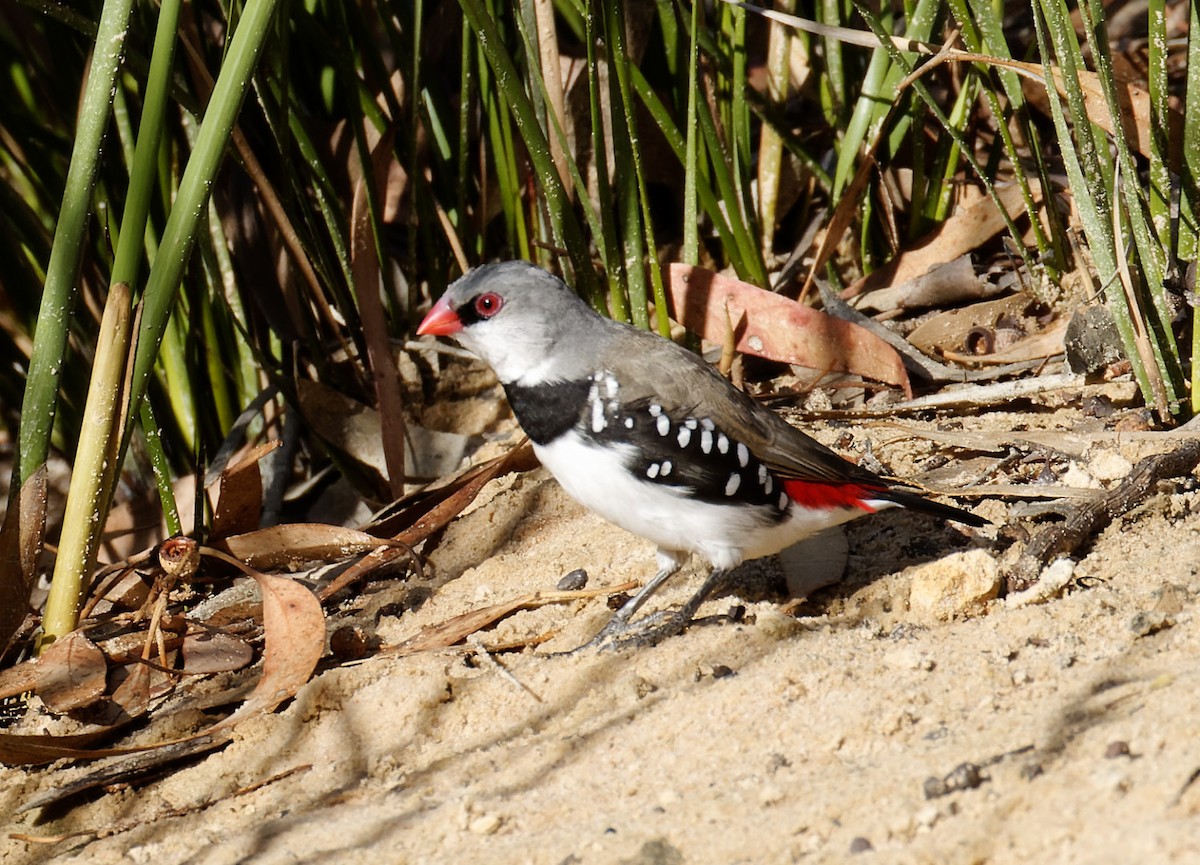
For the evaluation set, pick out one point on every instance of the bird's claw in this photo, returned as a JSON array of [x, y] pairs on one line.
[[621, 633]]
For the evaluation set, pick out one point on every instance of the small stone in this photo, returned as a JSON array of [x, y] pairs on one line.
[[1116, 749], [573, 581], [1076, 476], [777, 761], [643, 687], [861, 845], [720, 671], [1106, 465], [926, 817], [485, 824], [965, 776], [1150, 622], [770, 794], [349, 643], [957, 585], [656, 852]]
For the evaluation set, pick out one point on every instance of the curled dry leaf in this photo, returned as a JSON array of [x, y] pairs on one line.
[[975, 221], [768, 325], [294, 638], [951, 282], [239, 492], [948, 331], [71, 673], [414, 519], [20, 543], [295, 543]]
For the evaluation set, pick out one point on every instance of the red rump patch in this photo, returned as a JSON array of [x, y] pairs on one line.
[[827, 496]]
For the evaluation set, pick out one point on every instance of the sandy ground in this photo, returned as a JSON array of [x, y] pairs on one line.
[[1062, 731]]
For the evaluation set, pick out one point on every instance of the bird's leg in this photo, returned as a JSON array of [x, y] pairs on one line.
[[651, 631], [620, 632], [668, 563]]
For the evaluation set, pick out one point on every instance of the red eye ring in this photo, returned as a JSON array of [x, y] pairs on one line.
[[488, 304]]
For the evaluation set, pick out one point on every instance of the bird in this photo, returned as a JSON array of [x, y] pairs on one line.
[[651, 437]]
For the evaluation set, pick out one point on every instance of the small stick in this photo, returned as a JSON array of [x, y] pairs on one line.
[[1063, 539], [495, 666]]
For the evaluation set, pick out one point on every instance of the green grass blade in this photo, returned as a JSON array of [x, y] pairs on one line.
[[58, 297]]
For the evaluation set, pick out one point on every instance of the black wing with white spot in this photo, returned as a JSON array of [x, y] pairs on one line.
[[682, 450]]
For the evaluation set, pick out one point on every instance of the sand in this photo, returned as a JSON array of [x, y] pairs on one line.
[[882, 719]]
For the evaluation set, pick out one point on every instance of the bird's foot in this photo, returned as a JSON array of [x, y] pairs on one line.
[[623, 632], [620, 633]]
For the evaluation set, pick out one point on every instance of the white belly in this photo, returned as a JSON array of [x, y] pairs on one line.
[[725, 535]]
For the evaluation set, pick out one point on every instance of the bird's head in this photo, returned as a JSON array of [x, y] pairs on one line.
[[514, 316]]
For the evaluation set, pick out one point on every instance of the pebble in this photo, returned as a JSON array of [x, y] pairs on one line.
[[861, 845], [1149, 622], [957, 585], [1107, 465], [1116, 749], [484, 824], [573, 581]]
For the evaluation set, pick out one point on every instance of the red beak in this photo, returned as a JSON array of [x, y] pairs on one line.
[[441, 320]]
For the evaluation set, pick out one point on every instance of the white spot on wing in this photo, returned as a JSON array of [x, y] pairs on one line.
[[784, 501], [743, 454], [663, 424], [731, 486], [655, 409], [666, 468], [762, 474], [722, 443], [768, 485], [707, 424], [685, 436], [629, 423], [652, 472], [598, 421], [706, 441], [690, 423]]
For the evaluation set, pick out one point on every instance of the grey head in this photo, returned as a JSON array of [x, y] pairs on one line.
[[525, 323]]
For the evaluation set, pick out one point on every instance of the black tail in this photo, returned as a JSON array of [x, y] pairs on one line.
[[916, 502]]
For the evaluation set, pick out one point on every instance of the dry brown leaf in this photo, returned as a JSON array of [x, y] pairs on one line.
[[30, 750], [239, 493], [215, 652], [1134, 102], [948, 331], [19, 678], [946, 284], [364, 265], [419, 516], [294, 638], [1048, 343], [972, 223], [768, 325], [72, 673], [356, 429], [20, 543], [131, 699], [287, 545]]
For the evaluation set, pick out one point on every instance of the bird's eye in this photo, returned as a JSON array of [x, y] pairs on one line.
[[488, 304]]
